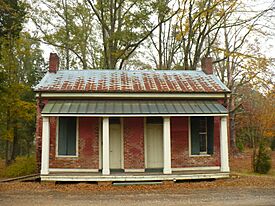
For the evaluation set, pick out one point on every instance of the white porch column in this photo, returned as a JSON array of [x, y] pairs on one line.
[[224, 145], [105, 146], [45, 146], [166, 146]]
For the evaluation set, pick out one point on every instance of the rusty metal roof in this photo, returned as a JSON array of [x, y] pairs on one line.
[[155, 81], [124, 107]]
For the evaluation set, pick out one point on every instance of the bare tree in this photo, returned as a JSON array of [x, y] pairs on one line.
[[239, 62], [70, 27], [125, 25]]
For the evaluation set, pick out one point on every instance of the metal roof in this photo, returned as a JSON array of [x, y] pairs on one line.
[[154, 81], [122, 107]]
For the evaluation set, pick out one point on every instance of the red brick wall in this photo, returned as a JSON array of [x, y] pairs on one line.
[[180, 149], [179, 141], [88, 148], [133, 133]]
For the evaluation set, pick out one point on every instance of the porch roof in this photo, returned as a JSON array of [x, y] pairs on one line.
[[133, 108]]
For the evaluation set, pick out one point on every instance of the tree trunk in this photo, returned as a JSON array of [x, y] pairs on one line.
[[15, 148], [7, 152], [232, 134], [67, 36], [232, 131], [160, 46]]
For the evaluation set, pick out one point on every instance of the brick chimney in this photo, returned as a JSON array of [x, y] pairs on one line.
[[53, 63], [207, 65]]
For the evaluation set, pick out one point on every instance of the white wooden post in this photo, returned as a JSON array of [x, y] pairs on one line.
[[166, 146], [105, 151], [224, 145], [45, 146]]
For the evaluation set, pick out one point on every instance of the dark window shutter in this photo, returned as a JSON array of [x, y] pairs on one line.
[[195, 140], [210, 135], [62, 136], [67, 136], [71, 139]]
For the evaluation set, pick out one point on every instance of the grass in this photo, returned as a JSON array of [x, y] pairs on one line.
[[22, 166]]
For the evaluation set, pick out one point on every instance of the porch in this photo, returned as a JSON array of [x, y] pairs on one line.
[[188, 174], [122, 165]]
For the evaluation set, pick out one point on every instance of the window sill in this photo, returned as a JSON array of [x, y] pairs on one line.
[[201, 155], [66, 156]]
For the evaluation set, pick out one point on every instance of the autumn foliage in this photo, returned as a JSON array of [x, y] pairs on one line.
[[255, 126]]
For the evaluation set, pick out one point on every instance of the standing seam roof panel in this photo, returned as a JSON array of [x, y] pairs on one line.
[[133, 107]]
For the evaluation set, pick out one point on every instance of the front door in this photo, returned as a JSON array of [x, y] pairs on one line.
[[115, 145], [154, 146]]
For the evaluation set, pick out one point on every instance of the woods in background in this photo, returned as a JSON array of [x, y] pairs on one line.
[[21, 63], [135, 34]]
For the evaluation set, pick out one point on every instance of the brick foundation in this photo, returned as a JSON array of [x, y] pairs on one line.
[[133, 143]]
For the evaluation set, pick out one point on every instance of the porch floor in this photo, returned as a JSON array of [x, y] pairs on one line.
[[129, 176]]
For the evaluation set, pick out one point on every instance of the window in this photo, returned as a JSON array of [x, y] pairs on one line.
[[202, 135], [67, 136]]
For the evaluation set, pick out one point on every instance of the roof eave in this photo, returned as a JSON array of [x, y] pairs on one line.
[[47, 94]]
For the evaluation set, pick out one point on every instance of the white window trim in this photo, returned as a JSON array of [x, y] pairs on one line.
[[203, 154], [77, 140]]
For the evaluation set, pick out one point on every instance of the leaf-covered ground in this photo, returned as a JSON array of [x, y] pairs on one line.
[[235, 181], [247, 190], [242, 163]]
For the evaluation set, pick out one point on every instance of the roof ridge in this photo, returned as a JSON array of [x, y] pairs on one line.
[[115, 70]]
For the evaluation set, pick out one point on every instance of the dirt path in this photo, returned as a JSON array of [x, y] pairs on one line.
[[238, 190], [217, 196]]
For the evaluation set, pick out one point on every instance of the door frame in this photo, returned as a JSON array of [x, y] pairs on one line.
[[145, 143], [122, 143], [121, 146]]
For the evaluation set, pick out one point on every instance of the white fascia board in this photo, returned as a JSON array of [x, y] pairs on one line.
[[132, 95], [134, 115]]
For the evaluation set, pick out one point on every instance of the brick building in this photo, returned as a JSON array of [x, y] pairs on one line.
[[112, 125]]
